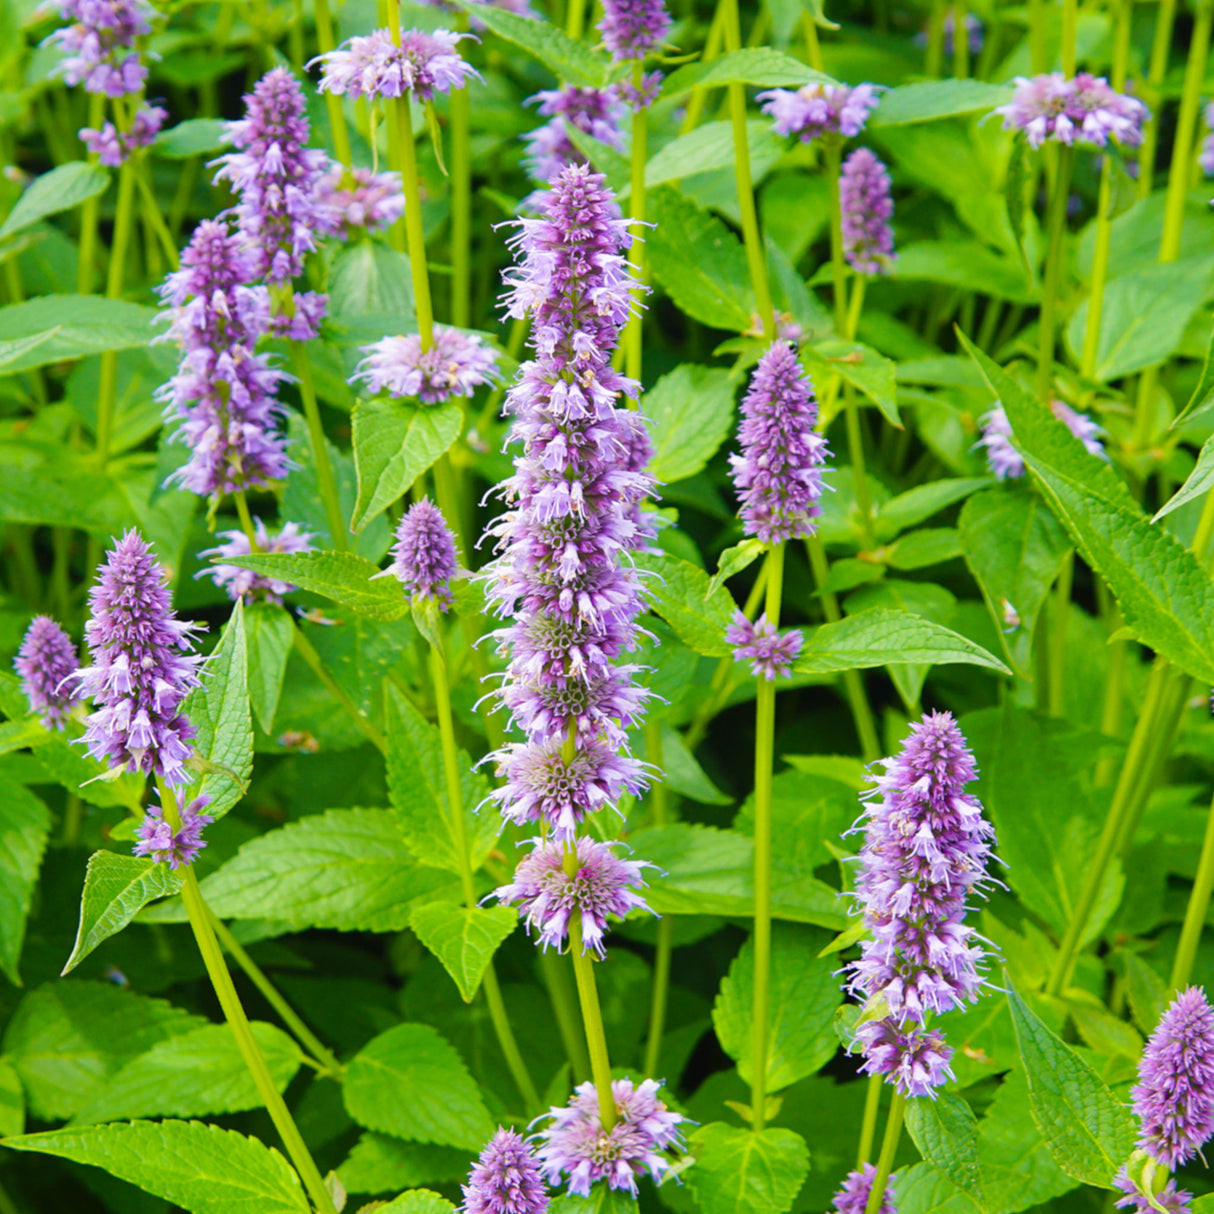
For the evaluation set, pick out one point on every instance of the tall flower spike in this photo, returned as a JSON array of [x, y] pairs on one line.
[[505, 1179], [926, 844], [173, 847], [455, 365], [141, 666], [778, 476], [820, 109], [111, 147], [244, 583], [1005, 461], [372, 65], [46, 661], [562, 577], [424, 555], [867, 208], [99, 44], [632, 28], [224, 395], [576, 1148], [853, 1197]]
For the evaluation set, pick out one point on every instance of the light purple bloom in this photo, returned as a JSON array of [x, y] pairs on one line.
[[359, 200], [1173, 1200], [598, 113], [173, 847], [423, 557], [46, 661], [372, 65], [455, 365], [1082, 110], [632, 28], [820, 109], [867, 208], [141, 666], [244, 583], [549, 896], [505, 1179], [224, 395], [112, 148], [1206, 160], [770, 654], [1005, 461], [778, 476], [99, 44], [643, 96], [853, 1197], [926, 844], [575, 1145]]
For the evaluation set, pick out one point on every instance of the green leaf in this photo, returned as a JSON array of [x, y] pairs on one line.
[[1014, 548], [710, 147], [409, 1082], [340, 576], [61, 189], [380, 1164], [72, 766], [880, 637], [1088, 1130], [740, 1172], [966, 264], [923, 548], [219, 712], [67, 1038], [946, 1133], [572, 62], [193, 137], [463, 938], [734, 560], [1196, 484], [1203, 394], [418, 1201], [862, 367], [199, 1167], [66, 497], [1147, 992], [681, 773], [24, 825], [602, 1200], [82, 324], [680, 594], [417, 787], [195, 1074], [759, 66], [920, 503], [12, 1101], [394, 443], [803, 998], [116, 889], [371, 294], [345, 869], [928, 99], [270, 634], [689, 411]]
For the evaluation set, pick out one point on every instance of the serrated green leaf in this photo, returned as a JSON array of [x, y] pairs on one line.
[[193, 137], [1088, 1130], [1203, 395], [463, 938], [82, 324], [710, 147], [411, 1083], [195, 1074], [804, 995], [946, 1133], [59, 190], [680, 594], [861, 366], [270, 634], [69, 764], [1197, 484], [734, 560], [570, 61], [740, 1172], [199, 1167], [340, 576], [116, 889], [418, 1201], [382, 1164], [759, 66], [682, 773], [966, 264], [923, 548], [689, 412], [917, 505], [25, 824], [926, 100], [1147, 992], [602, 1200], [394, 443]]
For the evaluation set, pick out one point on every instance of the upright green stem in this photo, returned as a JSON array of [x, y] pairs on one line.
[[555, 975], [1165, 15], [868, 1127], [1039, 15], [1070, 23], [575, 18], [413, 222], [246, 519], [337, 116], [461, 209], [636, 204], [307, 651], [107, 388], [659, 803], [86, 253], [838, 263], [592, 1018], [765, 738], [933, 60], [320, 450], [1056, 229], [889, 1147], [961, 42], [1060, 610], [756, 255], [1195, 913], [699, 96]]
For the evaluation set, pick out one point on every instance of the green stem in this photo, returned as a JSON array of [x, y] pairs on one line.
[[246, 519], [1110, 716], [325, 1059], [556, 979], [575, 18], [1195, 912], [838, 264], [1056, 229], [151, 212], [636, 204], [868, 1127], [506, 1039], [889, 1147], [1164, 17], [933, 59], [308, 652], [461, 208], [712, 48], [107, 388], [337, 116], [73, 815], [1070, 22], [339, 532], [813, 49], [961, 42], [1060, 610], [414, 232], [87, 252], [592, 1016], [659, 803], [1039, 15]]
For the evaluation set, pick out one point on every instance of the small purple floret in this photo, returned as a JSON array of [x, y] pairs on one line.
[[455, 365], [244, 583], [820, 109], [505, 1179], [112, 147], [423, 557], [173, 847], [372, 65], [99, 44], [770, 653], [359, 200], [853, 1197], [46, 662], [632, 28], [1175, 1201], [598, 113], [1082, 110], [867, 208]]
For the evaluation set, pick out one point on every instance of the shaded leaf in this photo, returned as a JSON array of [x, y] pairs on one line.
[[740, 1172], [59, 190]]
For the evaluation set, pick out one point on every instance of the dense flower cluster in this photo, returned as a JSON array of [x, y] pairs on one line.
[[99, 44], [112, 146], [374, 65], [141, 666], [46, 662], [820, 109], [455, 365], [770, 654], [1005, 461], [778, 476], [598, 113], [244, 583], [505, 1179], [632, 28], [359, 200], [1173, 1200], [866, 210], [423, 558], [576, 1145], [852, 1197], [224, 394], [158, 839], [1082, 110], [925, 849]]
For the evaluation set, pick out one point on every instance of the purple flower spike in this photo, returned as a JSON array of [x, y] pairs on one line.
[[373, 65], [361, 201], [771, 654], [1082, 110], [112, 148], [141, 666], [173, 847], [276, 176], [632, 28], [45, 660], [577, 1148], [549, 896], [778, 476], [820, 109], [455, 365], [598, 113], [1174, 1096], [853, 1197], [926, 844], [1004, 460], [99, 44], [1173, 1200], [244, 583], [867, 208], [424, 554], [505, 1179]]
